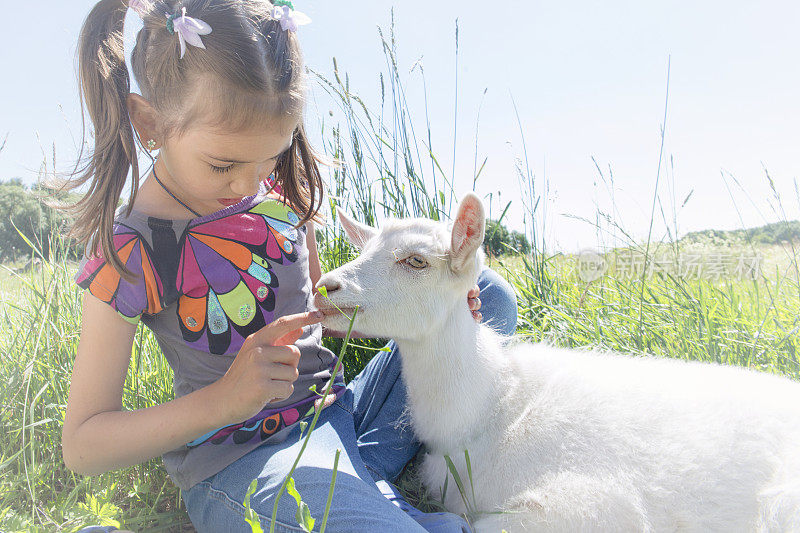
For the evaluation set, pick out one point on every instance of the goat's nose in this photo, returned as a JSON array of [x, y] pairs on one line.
[[331, 285]]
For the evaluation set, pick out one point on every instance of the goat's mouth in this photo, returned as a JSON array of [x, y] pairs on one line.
[[329, 310]]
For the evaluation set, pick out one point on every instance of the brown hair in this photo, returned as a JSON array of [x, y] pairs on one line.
[[250, 71]]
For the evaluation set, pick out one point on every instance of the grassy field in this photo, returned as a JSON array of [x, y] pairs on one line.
[[747, 322], [744, 322]]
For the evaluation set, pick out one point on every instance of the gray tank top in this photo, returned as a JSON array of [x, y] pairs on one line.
[[203, 286]]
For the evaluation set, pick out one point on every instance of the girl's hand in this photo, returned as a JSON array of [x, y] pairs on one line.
[[264, 369], [475, 303]]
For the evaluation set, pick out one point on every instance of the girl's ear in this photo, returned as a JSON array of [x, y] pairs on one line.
[[357, 233], [143, 117], [468, 231]]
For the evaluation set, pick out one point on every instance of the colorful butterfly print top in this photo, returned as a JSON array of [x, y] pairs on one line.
[[221, 268], [202, 286], [225, 279], [130, 300]]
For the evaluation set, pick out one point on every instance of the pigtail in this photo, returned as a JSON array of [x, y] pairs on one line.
[[299, 177], [104, 85]]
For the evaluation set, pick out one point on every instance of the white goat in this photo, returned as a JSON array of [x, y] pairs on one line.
[[558, 439]]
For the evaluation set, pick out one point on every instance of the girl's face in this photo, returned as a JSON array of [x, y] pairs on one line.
[[210, 169]]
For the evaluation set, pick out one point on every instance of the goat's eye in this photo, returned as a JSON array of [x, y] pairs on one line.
[[416, 261]]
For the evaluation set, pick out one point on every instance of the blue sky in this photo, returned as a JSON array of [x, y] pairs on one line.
[[589, 80]]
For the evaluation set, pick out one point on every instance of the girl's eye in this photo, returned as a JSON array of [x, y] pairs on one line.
[[220, 169], [416, 262]]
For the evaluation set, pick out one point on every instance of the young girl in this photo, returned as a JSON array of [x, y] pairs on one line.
[[215, 253]]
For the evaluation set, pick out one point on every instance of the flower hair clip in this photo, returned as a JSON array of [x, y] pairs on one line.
[[289, 18], [188, 29]]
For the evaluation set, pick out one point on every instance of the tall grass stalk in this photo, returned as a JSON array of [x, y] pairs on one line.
[[313, 424]]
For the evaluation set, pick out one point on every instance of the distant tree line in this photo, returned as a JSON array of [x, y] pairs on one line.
[[21, 206], [774, 233], [500, 241]]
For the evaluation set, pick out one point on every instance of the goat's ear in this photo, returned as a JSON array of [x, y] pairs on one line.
[[357, 233], [468, 230]]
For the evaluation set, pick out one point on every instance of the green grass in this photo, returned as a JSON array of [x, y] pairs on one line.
[[749, 323]]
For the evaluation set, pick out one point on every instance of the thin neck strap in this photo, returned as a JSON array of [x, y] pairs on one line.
[[173, 196]]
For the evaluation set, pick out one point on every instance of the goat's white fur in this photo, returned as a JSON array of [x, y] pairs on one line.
[[566, 440]]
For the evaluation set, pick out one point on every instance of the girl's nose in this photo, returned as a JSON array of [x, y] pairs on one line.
[[246, 186]]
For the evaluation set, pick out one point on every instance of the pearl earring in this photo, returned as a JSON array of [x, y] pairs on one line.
[[151, 144]]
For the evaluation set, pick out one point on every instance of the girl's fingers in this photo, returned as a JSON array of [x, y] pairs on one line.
[[284, 372], [279, 328], [473, 301], [285, 355], [289, 338]]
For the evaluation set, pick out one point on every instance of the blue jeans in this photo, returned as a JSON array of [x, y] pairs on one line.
[[370, 427]]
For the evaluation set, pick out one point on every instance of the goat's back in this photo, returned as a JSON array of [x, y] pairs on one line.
[[695, 445]]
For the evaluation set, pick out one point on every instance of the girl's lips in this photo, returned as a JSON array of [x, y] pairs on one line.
[[229, 201]]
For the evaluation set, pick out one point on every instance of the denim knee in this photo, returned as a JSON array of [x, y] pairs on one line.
[[498, 302]]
